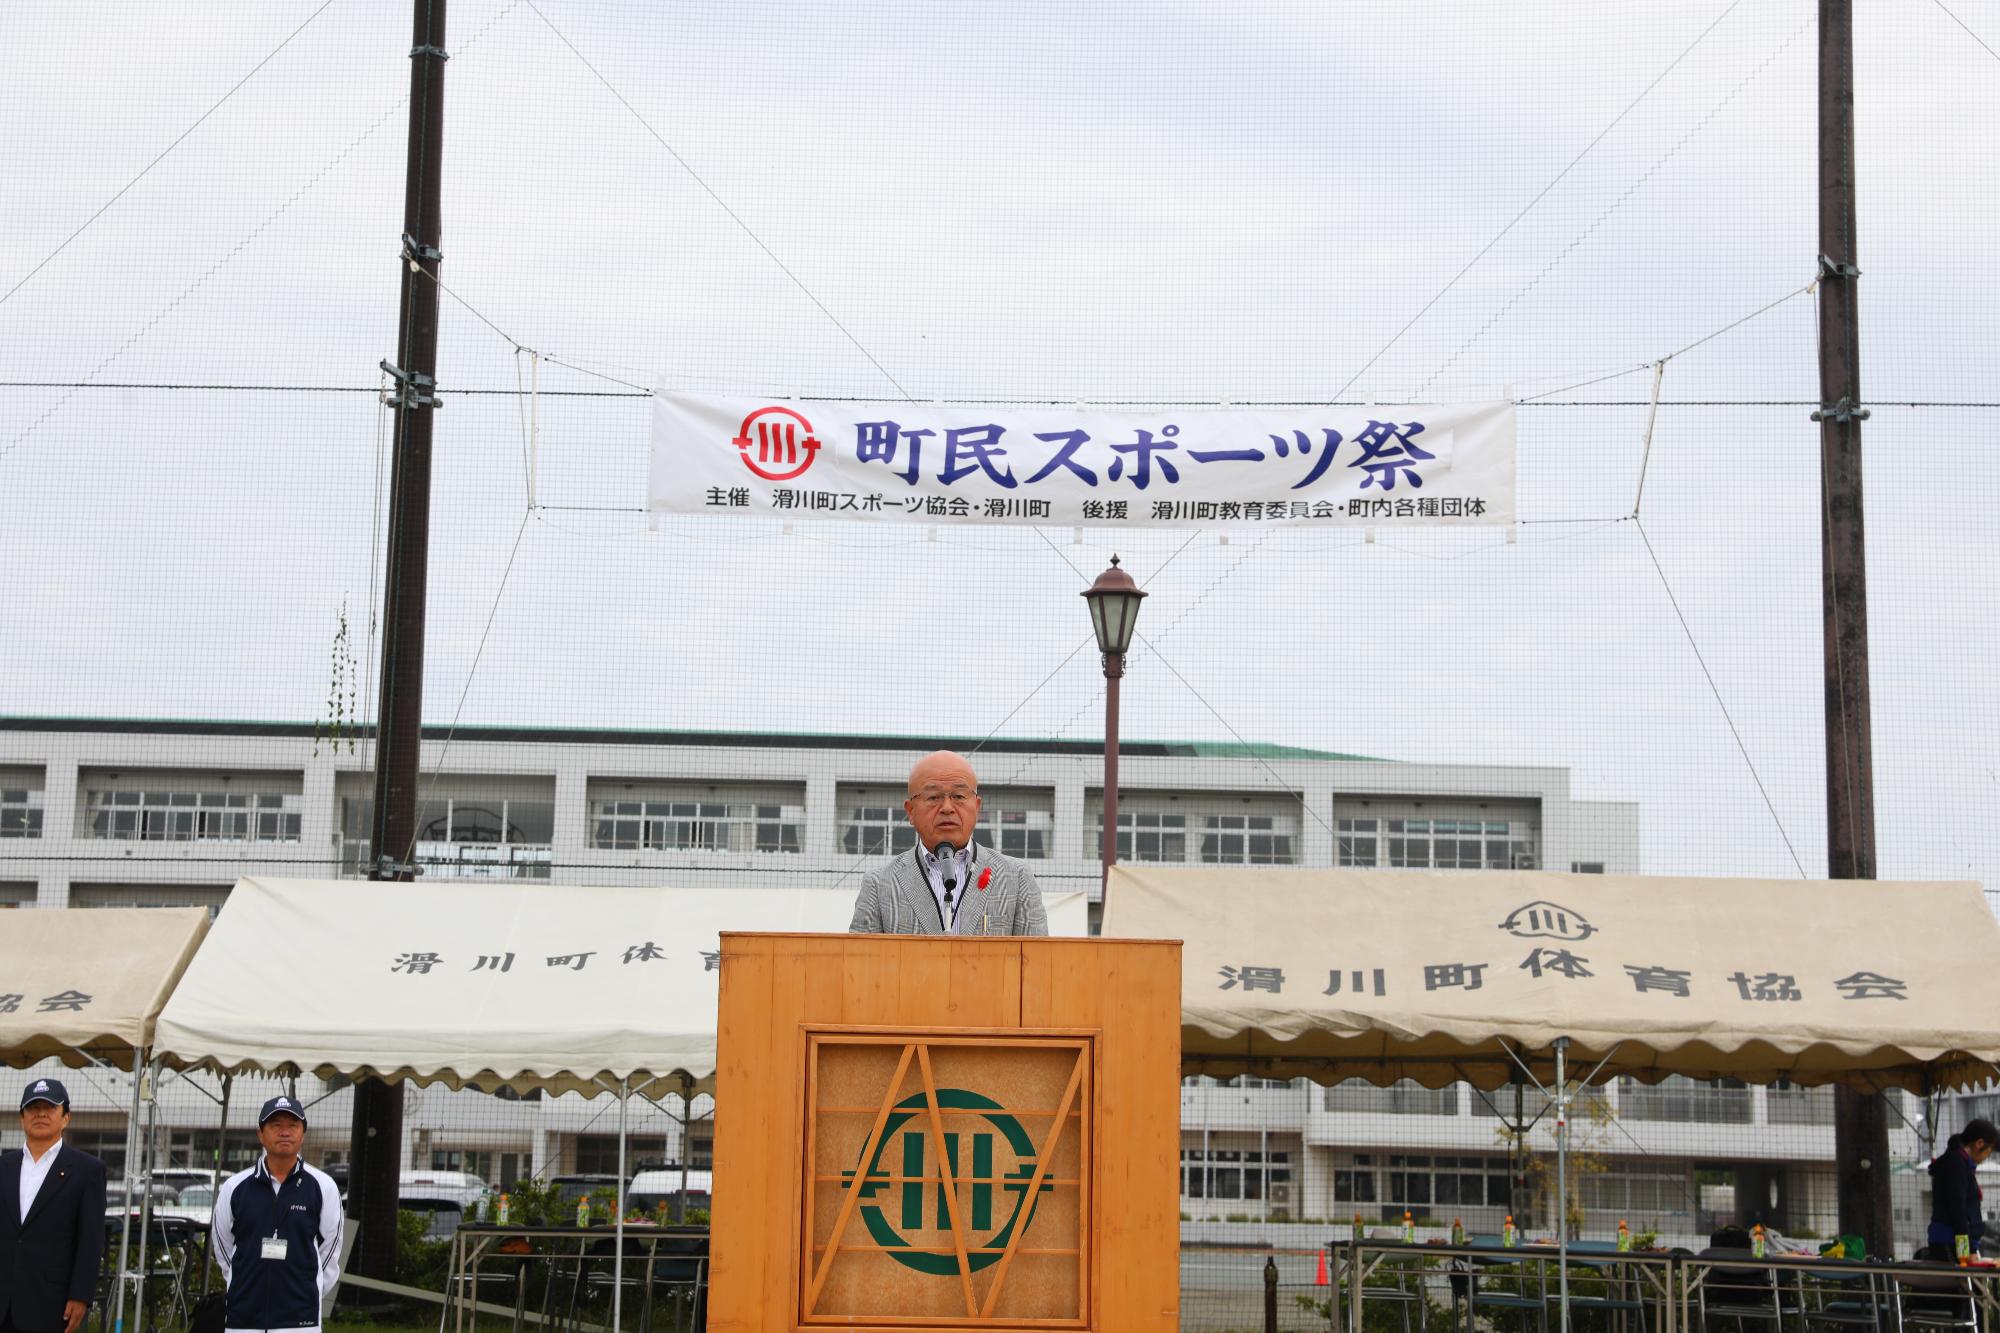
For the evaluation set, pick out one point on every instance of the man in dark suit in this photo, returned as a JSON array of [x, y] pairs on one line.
[[948, 884], [51, 1220]]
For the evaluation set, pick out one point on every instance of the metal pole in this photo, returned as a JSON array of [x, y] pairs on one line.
[[1860, 1124], [618, 1204], [1114, 669], [1270, 1294], [1562, 1184], [152, 1101], [125, 1210], [687, 1128], [375, 1149]]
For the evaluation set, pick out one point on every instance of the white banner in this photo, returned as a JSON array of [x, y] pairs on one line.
[[1401, 465]]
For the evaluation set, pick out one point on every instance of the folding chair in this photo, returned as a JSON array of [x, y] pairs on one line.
[[1744, 1294], [1398, 1280], [1934, 1300], [1618, 1298], [1500, 1283], [1830, 1299]]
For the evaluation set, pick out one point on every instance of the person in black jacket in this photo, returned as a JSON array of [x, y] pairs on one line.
[[276, 1231], [1955, 1193], [51, 1220]]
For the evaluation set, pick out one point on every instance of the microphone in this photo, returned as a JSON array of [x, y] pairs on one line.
[[947, 860]]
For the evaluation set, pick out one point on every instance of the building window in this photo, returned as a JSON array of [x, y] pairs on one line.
[[1722, 1101], [20, 813], [1354, 1184], [1423, 1182], [1014, 831], [192, 816], [876, 830], [1785, 1104], [1149, 836], [460, 837], [1460, 844], [695, 826], [597, 1155], [1245, 840], [1639, 1189], [1586, 867], [1231, 1173], [1359, 841]]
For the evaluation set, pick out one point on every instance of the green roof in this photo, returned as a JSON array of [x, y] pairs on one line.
[[1131, 747]]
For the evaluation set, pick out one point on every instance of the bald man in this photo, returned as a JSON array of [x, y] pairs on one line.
[[948, 884]]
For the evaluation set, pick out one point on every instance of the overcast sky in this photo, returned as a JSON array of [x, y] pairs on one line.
[[1089, 202]]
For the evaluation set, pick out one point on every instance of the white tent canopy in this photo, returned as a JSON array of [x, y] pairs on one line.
[[1437, 976], [473, 982], [89, 985]]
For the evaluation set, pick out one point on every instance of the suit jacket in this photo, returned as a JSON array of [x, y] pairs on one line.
[[896, 899], [54, 1254]]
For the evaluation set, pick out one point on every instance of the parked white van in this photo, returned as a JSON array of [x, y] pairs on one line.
[[461, 1186]]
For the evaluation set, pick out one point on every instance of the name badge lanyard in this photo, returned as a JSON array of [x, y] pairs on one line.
[[958, 899]]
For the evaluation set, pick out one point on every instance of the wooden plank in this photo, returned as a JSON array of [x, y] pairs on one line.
[[741, 1191], [854, 1195], [950, 1187], [1043, 1156]]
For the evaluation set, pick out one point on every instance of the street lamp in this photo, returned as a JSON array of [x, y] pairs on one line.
[[1114, 610]]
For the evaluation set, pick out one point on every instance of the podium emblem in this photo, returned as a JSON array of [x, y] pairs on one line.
[[950, 1178]]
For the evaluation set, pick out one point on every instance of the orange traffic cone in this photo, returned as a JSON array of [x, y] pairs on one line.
[[1319, 1278]]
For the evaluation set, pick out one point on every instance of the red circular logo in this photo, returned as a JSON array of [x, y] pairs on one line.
[[770, 443]]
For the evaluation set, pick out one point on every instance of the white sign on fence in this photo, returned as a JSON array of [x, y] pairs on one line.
[[1403, 465]]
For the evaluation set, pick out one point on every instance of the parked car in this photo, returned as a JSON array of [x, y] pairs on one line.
[[461, 1187], [441, 1216], [572, 1188], [652, 1188]]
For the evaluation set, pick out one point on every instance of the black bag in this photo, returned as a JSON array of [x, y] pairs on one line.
[[208, 1313]]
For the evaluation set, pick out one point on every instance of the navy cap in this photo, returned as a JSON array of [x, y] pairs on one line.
[[281, 1105], [45, 1090]]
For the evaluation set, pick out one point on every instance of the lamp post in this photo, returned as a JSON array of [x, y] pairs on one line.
[[1114, 610]]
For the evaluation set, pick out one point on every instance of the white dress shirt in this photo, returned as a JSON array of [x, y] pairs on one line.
[[33, 1173], [934, 876]]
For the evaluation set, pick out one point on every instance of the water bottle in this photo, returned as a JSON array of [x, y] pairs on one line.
[[1624, 1236], [1409, 1229], [500, 1216], [583, 1211], [1457, 1232], [1757, 1242], [1961, 1245], [1509, 1237]]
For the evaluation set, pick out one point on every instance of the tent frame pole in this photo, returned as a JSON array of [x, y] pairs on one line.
[[131, 1160], [146, 1144], [1562, 1182], [687, 1128], [618, 1262]]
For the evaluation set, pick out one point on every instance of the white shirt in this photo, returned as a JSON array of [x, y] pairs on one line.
[[934, 876], [33, 1173]]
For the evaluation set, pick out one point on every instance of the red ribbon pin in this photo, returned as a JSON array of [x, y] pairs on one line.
[[985, 878]]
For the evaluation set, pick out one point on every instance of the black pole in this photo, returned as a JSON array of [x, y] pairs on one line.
[[376, 1148], [1860, 1124], [1271, 1295], [1114, 671]]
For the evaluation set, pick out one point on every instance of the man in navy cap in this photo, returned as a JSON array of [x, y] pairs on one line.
[[276, 1231], [51, 1220]]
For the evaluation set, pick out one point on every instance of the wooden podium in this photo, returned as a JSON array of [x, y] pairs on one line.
[[929, 1132]]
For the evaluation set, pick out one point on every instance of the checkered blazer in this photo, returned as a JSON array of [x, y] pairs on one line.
[[896, 899]]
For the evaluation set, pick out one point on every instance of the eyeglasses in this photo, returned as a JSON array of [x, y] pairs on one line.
[[933, 799]]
